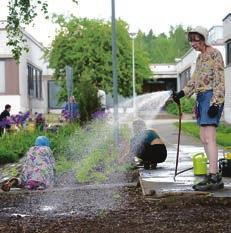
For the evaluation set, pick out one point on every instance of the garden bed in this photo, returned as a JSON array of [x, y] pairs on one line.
[[114, 209]]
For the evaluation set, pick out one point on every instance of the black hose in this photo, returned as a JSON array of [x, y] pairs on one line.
[[185, 170], [178, 141]]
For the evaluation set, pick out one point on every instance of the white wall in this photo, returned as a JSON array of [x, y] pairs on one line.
[[221, 48], [163, 68], [227, 36], [188, 60], [13, 100], [33, 57], [4, 50], [227, 108], [227, 28]]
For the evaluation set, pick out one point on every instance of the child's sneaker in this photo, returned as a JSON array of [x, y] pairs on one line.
[[210, 182]]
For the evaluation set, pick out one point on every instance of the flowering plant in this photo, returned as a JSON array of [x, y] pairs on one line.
[[66, 115], [39, 121], [18, 120], [99, 114]]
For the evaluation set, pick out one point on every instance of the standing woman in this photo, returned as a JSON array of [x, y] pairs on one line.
[[73, 107], [207, 82]]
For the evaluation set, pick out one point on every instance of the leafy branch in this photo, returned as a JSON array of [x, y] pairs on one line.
[[21, 14]]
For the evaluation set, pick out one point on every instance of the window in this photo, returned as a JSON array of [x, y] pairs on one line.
[[34, 82], [53, 92], [215, 34], [2, 77], [228, 52], [184, 77]]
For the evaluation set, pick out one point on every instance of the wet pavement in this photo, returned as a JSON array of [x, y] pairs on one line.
[[160, 182]]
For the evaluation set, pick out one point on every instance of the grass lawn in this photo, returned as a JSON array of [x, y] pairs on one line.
[[223, 132]]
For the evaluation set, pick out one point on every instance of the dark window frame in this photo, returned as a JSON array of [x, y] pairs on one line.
[[228, 53], [34, 78]]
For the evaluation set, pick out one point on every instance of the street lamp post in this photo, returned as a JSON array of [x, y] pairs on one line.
[[114, 74], [133, 36]]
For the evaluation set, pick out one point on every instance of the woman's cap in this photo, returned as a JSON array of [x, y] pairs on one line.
[[202, 31], [42, 141]]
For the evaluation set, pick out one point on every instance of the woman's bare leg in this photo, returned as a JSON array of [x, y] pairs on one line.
[[208, 138]]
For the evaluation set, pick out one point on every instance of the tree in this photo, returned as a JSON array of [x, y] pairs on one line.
[[163, 48], [22, 13], [86, 46], [179, 41], [86, 93]]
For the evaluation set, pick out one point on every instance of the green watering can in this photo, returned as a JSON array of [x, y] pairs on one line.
[[199, 164]]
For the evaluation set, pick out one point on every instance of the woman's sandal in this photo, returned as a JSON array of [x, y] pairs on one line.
[[7, 184]]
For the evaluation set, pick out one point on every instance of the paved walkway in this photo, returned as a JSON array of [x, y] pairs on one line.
[[160, 181]]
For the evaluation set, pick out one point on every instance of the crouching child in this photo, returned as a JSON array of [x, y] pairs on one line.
[[147, 146]]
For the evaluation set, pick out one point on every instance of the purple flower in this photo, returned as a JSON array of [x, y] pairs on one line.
[[18, 119], [39, 119], [99, 115], [6, 122], [66, 114]]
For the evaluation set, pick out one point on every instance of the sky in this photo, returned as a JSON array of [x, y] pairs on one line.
[[143, 15]]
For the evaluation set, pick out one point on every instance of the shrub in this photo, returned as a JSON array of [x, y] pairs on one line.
[[15, 145], [87, 97], [7, 156], [187, 106], [171, 108]]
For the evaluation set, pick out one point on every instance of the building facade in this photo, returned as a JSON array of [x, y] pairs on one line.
[[227, 41], [23, 85], [164, 78]]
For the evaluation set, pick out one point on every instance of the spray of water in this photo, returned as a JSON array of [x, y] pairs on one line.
[[94, 144], [146, 105]]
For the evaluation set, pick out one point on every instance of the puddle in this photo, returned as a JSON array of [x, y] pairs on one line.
[[47, 208], [20, 215]]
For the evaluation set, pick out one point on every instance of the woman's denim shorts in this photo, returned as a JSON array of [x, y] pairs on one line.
[[203, 104]]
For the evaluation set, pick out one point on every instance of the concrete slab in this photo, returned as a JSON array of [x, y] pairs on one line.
[[160, 182]]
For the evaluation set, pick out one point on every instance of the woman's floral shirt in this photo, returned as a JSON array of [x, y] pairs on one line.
[[208, 75], [39, 166]]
